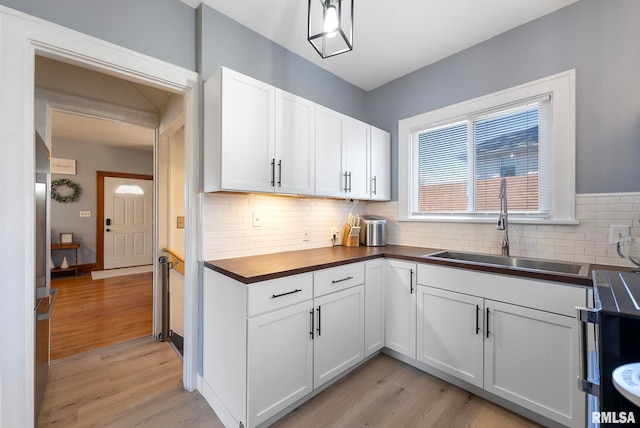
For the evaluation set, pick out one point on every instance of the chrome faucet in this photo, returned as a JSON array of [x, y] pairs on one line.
[[503, 217]]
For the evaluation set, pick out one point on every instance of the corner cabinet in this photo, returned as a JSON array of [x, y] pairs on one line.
[[374, 306], [258, 138]]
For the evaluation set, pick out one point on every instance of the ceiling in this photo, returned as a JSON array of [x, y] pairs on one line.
[[72, 80], [391, 38]]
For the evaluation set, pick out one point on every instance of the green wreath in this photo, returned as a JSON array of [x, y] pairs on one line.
[[65, 199]]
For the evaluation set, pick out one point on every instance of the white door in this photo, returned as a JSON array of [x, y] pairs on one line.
[[355, 146], [530, 360], [279, 361], [400, 314], [380, 176], [248, 133], [450, 333], [330, 179], [339, 339], [295, 144], [128, 225]]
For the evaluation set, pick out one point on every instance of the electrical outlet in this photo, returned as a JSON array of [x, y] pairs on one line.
[[85, 213], [335, 234], [616, 233], [305, 234], [257, 220]]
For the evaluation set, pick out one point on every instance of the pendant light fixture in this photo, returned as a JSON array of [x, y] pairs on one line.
[[330, 26]]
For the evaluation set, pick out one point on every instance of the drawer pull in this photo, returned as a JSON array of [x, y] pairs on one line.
[[275, 296], [335, 281]]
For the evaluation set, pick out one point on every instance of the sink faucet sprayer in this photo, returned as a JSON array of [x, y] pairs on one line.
[[503, 218]]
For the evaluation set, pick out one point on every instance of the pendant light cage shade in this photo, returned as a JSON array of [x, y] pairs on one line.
[[330, 26]]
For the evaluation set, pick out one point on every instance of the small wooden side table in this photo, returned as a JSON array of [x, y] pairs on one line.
[[67, 246]]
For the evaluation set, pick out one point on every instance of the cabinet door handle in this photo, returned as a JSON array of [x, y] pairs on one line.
[[312, 321], [375, 185], [487, 323], [335, 281], [477, 319], [319, 322], [346, 187], [275, 296], [273, 172], [280, 173], [411, 283], [349, 175]]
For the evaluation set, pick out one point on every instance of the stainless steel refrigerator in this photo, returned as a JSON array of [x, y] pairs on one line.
[[44, 296]]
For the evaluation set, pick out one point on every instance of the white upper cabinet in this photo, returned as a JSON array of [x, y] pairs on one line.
[[258, 138], [380, 165], [342, 150], [294, 157], [239, 132], [330, 180], [355, 148]]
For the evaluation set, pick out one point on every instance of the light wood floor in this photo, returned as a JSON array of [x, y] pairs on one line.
[[92, 314], [139, 383]]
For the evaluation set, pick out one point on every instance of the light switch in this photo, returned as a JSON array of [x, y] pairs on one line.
[[616, 233], [180, 222]]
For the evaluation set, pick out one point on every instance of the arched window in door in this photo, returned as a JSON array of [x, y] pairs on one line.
[[129, 189]]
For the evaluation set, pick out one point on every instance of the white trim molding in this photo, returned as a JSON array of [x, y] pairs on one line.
[[22, 37], [561, 87]]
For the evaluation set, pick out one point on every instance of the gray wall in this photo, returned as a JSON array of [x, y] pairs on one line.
[[598, 38], [164, 29], [90, 158], [223, 41]]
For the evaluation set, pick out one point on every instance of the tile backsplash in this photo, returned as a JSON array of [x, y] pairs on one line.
[[587, 242], [229, 231]]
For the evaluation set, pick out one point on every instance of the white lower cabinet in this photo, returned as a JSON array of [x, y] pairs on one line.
[[374, 307], [339, 333], [450, 333], [529, 359], [400, 307], [476, 327], [279, 360]]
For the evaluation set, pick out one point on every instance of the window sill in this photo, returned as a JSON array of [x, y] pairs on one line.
[[489, 220]]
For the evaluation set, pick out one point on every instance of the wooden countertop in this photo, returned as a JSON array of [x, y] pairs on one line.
[[252, 269]]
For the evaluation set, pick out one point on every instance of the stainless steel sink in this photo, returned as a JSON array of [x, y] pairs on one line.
[[515, 262]]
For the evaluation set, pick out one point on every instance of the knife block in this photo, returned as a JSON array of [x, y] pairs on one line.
[[351, 236]]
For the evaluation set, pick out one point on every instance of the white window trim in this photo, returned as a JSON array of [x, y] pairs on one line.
[[561, 87]]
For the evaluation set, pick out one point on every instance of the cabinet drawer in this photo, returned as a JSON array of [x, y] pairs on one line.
[[278, 293], [338, 278]]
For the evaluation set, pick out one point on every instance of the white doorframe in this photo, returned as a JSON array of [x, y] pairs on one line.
[[21, 38]]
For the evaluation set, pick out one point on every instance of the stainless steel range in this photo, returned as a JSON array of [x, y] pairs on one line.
[[614, 343]]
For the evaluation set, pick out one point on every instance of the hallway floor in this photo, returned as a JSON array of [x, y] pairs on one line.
[[91, 314]]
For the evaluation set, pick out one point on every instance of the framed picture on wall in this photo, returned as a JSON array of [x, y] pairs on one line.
[[66, 238], [63, 166]]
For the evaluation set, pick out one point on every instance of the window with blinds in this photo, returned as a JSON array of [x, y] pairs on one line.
[[460, 164]]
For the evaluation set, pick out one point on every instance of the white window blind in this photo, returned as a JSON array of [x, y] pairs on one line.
[[461, 164]]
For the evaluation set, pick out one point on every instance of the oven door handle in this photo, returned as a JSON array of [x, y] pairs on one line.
[[585, 316]]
